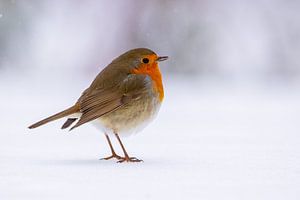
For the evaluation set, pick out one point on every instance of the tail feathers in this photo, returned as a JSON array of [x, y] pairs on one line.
[[59, 115], [68, 123]]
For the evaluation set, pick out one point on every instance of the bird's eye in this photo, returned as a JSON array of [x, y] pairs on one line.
[[145, 60]]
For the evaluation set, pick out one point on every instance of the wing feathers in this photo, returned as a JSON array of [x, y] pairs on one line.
[[68, 123], [98, 102]]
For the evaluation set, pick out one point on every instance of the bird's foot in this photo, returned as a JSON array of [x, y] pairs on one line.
[[112, 156], [129, 159]]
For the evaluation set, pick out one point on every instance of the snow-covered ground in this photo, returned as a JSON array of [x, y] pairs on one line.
[[209, 141]]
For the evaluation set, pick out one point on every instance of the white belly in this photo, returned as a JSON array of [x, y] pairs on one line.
[[129, 119]]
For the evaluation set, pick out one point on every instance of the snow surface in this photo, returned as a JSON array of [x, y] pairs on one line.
[[208, 142]]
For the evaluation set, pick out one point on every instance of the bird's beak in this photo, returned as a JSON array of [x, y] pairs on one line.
[[161, 58]]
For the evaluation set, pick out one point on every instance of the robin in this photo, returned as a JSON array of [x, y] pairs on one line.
[[124, 97]]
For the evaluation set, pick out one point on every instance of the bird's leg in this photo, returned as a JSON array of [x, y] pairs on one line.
[[114, 155], [126, 158]]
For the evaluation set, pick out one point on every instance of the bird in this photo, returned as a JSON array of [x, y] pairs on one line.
[[123, 98]]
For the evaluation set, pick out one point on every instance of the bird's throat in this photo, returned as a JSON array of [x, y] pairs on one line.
[[153, 71]]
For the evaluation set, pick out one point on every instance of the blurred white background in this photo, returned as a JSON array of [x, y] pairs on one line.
[[229, 126], [233, 40]]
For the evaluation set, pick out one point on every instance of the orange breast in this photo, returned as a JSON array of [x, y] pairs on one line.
[[153, 71]]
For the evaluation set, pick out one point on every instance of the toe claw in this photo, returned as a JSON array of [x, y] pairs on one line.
[[112, 156], [129, 159]]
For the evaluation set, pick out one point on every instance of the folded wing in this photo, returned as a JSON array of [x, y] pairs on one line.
[[100, 101]]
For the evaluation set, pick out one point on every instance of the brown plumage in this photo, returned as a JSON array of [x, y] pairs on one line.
[[68, 123], [68, 111], [123, 96]]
